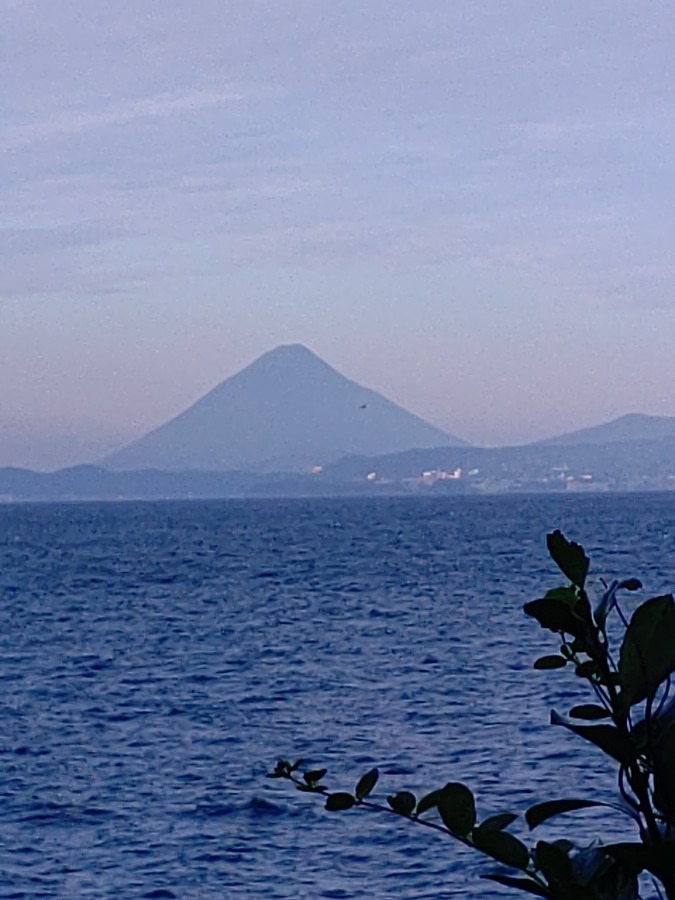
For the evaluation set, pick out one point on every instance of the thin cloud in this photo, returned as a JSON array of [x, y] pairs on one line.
[[75, 122]]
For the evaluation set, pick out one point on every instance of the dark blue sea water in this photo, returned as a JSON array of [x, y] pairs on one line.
[[156, 659]]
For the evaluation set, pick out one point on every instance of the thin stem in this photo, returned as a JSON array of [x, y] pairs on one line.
[[637, 779], [624, 792], [604, 700], [574, 657], [379, 807], [369, 804], [649, 721], [624, 620], [658, 889], [664, 697]]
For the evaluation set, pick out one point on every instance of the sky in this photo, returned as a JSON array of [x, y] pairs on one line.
[[468, 206]]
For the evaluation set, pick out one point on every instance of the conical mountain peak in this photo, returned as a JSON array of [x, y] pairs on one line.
[[289, 356], [290, 352], [287, 411], [287, 353]]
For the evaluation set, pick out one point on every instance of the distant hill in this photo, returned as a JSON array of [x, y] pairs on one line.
[[620, 466], [631, 427], [286, 412]]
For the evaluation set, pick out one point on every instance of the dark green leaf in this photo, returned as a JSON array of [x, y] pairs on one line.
[[565, 845], [617, 883], [603, 877], [648, 650], [608, 738], [557, 616], [429, 801], [340, 800], [402, 802], [296, 765], [457, 808], [496, 823], [588, 669], [502, 846], [589, 711], [569, 557], [664, 772], [654, 858], [312, 788], [282, 769], [520, 884], [553, 862], [543, 811], [314, 775], [567, 594], [366, 783], [550, 662], [631, 584]]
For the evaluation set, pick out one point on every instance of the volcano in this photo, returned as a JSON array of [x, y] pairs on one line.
[[288, 411]]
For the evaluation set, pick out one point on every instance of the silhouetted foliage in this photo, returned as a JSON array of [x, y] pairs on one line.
[[631, 719]]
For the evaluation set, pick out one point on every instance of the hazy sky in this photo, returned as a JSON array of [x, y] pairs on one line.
[[466, 205]]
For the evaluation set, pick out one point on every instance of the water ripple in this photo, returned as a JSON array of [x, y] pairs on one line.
[[157, 658]]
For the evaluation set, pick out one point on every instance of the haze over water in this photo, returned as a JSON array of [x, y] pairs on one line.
[[156, 659]]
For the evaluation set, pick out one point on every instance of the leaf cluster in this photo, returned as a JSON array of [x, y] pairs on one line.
[[631, 719]]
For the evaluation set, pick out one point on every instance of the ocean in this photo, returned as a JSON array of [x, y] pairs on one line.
[[157, 658]]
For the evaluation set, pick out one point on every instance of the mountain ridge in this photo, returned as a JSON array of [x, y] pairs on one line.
[[623, 466], [626, 428]]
